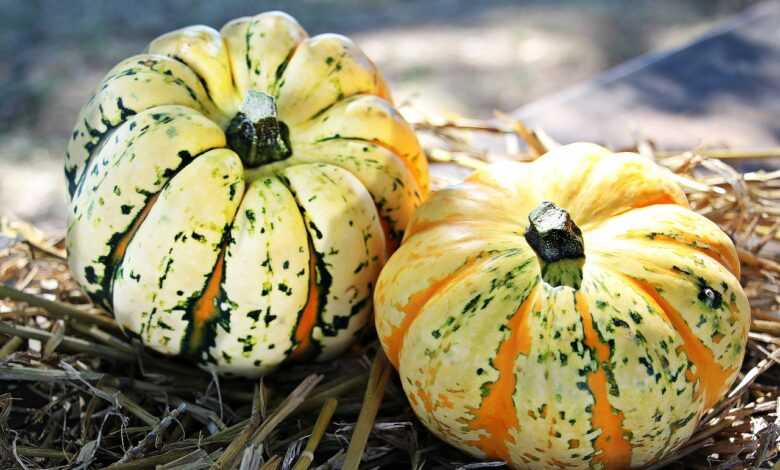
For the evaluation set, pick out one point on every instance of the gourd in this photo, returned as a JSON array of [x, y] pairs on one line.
[[234, 194], [572, 312]]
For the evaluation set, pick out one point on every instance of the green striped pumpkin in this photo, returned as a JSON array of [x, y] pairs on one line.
[[234, 194]]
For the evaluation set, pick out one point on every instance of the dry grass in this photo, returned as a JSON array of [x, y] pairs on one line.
[[76, 393]]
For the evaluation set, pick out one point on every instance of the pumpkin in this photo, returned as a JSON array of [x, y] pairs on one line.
[[572, 312], [234, 194]]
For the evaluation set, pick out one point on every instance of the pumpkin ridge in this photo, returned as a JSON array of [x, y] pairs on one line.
[[420, 192], [151, 62], [391, 215], [709, 249], [615, 449], [580, 183], [74, 187], [113, 260], [225, 45], [422, 227], [204, 309], [662, 199], [497, 414], [308, 316], [710, 375], [198, 76], [274, 87], [115, 257], [180, 82], [177, 80], [204, 312], [327, 108], [395, 340], [393, 235]]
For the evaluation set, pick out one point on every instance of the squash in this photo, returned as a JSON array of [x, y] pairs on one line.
[[234, 194], [571, 312]]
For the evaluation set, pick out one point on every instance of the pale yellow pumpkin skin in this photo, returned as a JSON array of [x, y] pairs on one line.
[[614, 374], [203, 252]]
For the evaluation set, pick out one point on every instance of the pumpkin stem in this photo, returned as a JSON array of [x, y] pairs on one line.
[[255, 133], [557, 242]]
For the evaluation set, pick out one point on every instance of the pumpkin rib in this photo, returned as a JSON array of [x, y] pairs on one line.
[[381, 181], [265, 255], [203, 49], [340, 82], [414, 171], [75, 185], [615, 449], [274, 29], [75, 177], [308, 317], [497, 414], [116, 255], [199, 77], [282, 68], [580, 185], [205, 309], [394, 342], [422, 227], [713, 251], [428, 216], [173, 254], [341, 306], [177, 81], [656, 200], [381, 89], [233, 83], [710, 375], [248, 44], [110, 132]]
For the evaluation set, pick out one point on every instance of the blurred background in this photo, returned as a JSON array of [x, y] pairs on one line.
[[446, 56]]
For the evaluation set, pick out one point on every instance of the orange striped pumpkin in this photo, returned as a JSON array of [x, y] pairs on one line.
[[572, 312]]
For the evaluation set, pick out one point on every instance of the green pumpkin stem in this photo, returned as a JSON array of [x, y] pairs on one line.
[[255, 133], [558, 244]]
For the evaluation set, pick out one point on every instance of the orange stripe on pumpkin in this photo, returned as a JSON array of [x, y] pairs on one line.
[[309, 315], [205, 308], [656, 199], [497, 414], [712, 377], [615, 450], [394, 341], [121, 247]]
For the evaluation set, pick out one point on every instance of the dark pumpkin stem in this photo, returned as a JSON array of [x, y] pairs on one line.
[[255, 133], [558, 244]]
